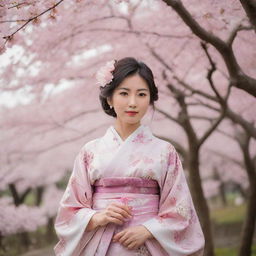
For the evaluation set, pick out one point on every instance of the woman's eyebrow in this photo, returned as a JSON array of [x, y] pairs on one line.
[[127, 89]]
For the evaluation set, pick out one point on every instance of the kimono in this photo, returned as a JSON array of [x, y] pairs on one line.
[[142, 171]]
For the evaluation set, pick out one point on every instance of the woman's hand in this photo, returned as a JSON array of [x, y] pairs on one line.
[[115, 213], [133, 237]]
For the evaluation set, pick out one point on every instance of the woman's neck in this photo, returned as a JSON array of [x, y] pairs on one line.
[[124, 129]]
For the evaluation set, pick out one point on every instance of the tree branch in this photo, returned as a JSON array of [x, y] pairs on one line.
[[234, 32], [9, 37], [237, 77], [167, 115], [250, 9]]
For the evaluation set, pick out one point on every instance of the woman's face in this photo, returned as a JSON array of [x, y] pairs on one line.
[[131, 95]]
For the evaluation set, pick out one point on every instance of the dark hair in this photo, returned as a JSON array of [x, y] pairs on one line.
[[123, 68]]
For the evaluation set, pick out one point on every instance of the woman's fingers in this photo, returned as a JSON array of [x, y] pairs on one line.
[[116, 221], [132, 245], [120, 210], [122, 206], [126, 240], [117, 213]]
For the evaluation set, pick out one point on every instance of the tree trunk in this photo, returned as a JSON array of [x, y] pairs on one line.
[[249, 225], [18, 199], [223, 194], [25, 241], [39, 195], [2, 246], [50, 230], [250, 219], [200, 201], [241, 191]]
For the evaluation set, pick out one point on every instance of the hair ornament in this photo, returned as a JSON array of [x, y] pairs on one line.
[[104, 75]]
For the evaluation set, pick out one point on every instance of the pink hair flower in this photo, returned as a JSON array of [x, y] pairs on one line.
[[104, 74]]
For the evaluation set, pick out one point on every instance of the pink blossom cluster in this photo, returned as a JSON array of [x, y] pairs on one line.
[[20, 12], [104, 74], [211, 188], [51, 199], [19, 219]]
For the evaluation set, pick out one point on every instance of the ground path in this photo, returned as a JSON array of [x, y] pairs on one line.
[[42, 252]]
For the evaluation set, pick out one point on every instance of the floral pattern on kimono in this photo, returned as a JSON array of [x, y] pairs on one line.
[[176, 227], [147, 159], [75, 211]]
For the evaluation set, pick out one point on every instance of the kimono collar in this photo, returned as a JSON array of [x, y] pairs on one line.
[[140, 135]]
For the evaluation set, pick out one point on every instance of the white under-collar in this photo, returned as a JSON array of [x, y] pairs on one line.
[[131, 135]]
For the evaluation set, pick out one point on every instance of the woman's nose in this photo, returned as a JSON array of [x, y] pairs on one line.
[[132, 100]]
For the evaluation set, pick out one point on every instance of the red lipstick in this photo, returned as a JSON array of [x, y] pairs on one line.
[[131, 113]]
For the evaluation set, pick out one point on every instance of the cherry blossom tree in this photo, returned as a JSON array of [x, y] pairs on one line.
[[202, 55]]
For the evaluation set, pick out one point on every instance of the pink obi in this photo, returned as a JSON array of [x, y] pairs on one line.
[[140, 193], [126, 185]]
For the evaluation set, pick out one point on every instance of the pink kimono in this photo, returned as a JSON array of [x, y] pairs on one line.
[[142, 171]]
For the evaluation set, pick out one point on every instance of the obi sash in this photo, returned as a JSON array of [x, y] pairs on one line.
[[126, 185], [140, 193]]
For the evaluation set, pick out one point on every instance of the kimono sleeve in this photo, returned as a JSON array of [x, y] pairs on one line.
[[176, 227], [75, 212]]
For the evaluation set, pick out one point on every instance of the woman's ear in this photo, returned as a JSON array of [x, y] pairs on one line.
[[109, 101]]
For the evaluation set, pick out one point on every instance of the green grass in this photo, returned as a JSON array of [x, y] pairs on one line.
[[225, 252], [30, 199], [39, 239], [228, 215], [231, 251]]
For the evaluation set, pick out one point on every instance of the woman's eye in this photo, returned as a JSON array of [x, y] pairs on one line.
[[125, 93]]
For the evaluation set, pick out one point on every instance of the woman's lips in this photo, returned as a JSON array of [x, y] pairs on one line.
[[130, 113]]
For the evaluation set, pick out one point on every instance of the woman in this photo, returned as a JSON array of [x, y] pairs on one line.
[[127, 193]]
